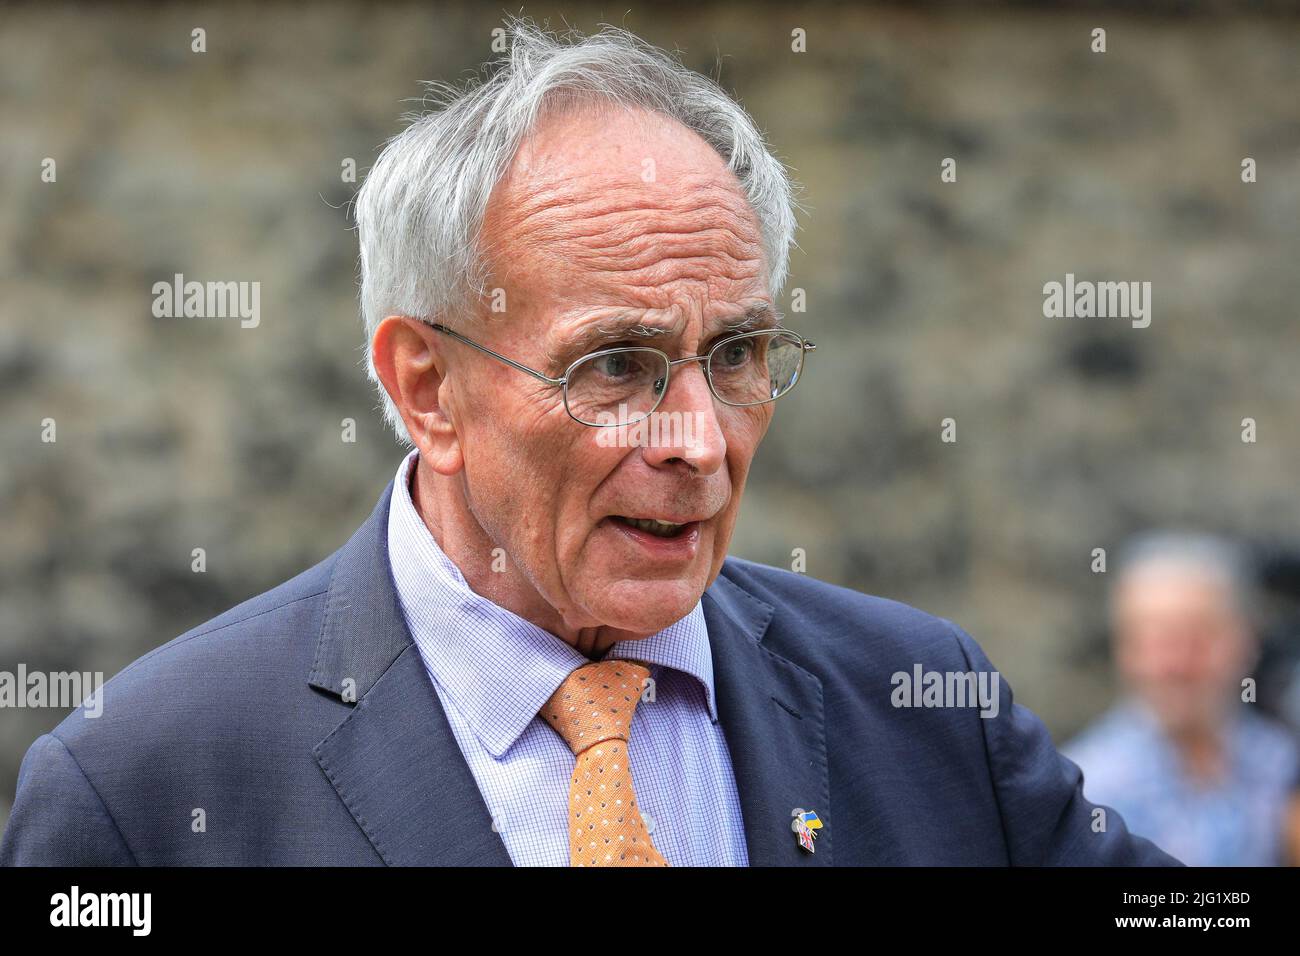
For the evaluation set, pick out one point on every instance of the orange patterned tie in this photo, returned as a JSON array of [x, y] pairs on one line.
[[592, 710]]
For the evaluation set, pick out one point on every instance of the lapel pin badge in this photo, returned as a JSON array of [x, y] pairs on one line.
[[805, 824]]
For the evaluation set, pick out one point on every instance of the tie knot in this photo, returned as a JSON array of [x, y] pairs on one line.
[[595, 703]]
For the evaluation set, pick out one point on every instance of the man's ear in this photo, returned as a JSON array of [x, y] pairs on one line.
[[412, 370]]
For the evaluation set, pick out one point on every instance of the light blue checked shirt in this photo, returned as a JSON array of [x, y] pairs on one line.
[[493, 671], [1130, 764]]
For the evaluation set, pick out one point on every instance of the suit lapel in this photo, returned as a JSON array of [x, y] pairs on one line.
[[400, 772], [772, 716], [394, 761]]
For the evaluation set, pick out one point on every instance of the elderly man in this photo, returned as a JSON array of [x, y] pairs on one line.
[[1181, 756], [536, 650]]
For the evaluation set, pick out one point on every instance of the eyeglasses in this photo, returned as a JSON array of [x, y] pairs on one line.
[[624, 385]]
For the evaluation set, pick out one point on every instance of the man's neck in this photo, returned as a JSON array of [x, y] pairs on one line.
[[1203, 754]]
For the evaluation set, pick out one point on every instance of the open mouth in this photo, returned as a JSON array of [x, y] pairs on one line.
[[660, 529]]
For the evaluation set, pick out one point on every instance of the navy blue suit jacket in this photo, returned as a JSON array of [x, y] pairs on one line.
[[300, 728]]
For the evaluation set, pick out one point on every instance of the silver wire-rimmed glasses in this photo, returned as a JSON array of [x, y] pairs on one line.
[[621, 386]]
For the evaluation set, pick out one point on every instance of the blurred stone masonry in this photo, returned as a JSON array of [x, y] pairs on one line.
[[925, 297]]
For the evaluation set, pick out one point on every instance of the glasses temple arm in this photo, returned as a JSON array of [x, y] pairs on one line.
[[498, 356]]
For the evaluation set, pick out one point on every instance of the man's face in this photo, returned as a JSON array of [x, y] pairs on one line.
[[1181, 643], [604, 219]]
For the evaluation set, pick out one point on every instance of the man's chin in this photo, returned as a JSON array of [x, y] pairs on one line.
[[644, 607]]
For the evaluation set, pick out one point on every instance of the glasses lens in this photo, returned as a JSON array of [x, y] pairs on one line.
[[616, 387], [756, 368]]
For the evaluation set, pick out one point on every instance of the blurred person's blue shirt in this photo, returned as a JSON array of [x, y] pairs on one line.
[[1238, 820]]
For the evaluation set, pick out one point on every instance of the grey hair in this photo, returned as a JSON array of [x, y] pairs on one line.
[[1221, 558], [419, 213]]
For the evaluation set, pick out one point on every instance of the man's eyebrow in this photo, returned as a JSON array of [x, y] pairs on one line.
[[600, 334], [632, 325], [761, 316]]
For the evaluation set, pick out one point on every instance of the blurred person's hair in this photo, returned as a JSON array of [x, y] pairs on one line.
[[420, 212], [1225, 560]]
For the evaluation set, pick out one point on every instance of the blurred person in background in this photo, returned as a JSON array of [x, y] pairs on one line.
[[1181, 756]]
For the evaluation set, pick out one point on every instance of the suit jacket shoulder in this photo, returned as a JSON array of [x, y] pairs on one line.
[[193, 740]]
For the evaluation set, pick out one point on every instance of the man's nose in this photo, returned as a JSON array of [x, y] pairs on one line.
[[685, 426]]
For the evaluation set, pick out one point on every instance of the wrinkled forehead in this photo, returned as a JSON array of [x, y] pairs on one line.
[[607, 196]]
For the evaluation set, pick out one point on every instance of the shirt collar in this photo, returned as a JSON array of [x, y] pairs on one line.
[[497, 668]]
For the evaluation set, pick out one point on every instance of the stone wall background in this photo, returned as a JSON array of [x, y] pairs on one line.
[[925, 297]]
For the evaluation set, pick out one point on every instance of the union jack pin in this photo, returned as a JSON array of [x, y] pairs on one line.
[[805, 824]]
